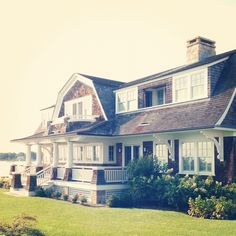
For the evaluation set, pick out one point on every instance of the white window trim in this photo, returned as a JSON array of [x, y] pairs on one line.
[[196, 158], [75, 101], [135, 90], [85, 160], [189, 96], [167, 151]]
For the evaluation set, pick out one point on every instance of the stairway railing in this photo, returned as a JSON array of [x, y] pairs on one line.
[[44, 175]]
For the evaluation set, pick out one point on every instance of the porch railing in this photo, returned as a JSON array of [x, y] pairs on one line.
[[44, 175], [82, 174], [116, 175]]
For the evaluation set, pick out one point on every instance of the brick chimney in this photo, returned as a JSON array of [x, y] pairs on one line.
[[199, 48]]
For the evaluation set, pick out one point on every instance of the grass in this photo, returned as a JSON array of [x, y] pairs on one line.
[[62, 218]]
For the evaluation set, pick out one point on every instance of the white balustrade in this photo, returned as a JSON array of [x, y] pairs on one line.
[[82, 174], [116, 175], [44, 175]]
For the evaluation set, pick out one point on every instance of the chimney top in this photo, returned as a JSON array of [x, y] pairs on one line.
[[199, 48]]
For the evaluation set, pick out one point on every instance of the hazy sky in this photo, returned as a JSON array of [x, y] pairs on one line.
[[44, 42]]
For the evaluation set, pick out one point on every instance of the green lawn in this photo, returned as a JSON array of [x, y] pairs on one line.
[[62, 218]]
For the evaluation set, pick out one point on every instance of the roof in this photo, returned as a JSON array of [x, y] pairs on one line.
[[107, 82], [200, 114], [47, 107], [179, 69]]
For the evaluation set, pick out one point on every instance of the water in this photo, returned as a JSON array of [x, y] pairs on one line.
[[5, 167]]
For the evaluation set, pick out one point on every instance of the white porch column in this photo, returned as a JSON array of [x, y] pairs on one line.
[[28, 155], [69, 161], [55, 155], [39, 156]]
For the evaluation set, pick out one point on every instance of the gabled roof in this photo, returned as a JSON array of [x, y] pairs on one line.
[[179, 69], [102, 88]]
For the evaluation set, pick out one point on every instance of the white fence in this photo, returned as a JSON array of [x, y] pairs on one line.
[[44, 175], [116, 175]]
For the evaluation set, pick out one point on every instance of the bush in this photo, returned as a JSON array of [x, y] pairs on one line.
[[65, 197], [5, 182], [124, 200], [40, 192], [75, 198], [21, 225], [213, 208], [56, 195], [83, 200]]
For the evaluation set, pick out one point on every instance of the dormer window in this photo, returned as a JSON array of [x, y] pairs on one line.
[[155, 96], [79, 109], [126, 100], [190, 86]]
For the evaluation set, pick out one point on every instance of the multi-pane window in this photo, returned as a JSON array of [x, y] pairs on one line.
[[131, 100], [188, 156], [62, 153], [181, 89], [80, 108], [126, 100], [77, 153], [111, 153], [190, 86], [148, 98], [131, 153], [89, 153], [197, 157], [121, 102], [161, 96], [162, 153], [197, 85], [96, 153], [205, 153]]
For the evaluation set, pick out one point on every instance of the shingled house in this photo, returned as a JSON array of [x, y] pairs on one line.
[[185, 117]]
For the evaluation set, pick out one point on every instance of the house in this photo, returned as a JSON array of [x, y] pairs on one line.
[[185, 116]]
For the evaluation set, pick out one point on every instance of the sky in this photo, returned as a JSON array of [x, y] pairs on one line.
[[42, 43]]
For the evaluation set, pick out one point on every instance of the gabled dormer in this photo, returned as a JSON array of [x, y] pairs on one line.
[[192, 82], [83, 101]]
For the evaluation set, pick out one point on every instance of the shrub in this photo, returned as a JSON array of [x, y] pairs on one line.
[[5, 182], [40, 192], [83, 200], [56, 195], [212, 208], [124, 200], [21, 225], [65, 197], [75, 198]]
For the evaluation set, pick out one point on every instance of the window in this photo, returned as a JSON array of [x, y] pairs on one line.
[[181, 89], [161, 96], [131, 153], [197, 157], [126, 100], [205, 153], [77, 153], [121, 102], [80, 108], [162, 153], [148, 97], [131, 100], [62, 153], [197, 85], [96, 153], [190, 86], [89, 153], [188, 156], [111, 153]]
